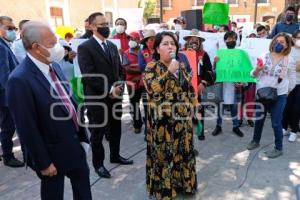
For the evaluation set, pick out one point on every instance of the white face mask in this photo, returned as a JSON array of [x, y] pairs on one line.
[[120, 29], [57, 53], [297, 43], [132, 44], [178, 27]]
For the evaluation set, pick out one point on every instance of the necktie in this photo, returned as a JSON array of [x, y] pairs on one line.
[[106, 50], [64, 98]]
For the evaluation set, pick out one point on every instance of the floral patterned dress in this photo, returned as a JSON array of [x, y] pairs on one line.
[[171, 163]]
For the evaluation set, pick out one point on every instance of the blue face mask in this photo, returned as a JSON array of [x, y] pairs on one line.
[[278, 47], [289, 18], [11, 35]]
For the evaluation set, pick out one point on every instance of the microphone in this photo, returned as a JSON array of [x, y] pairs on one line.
[[178, 71], [173, 56]]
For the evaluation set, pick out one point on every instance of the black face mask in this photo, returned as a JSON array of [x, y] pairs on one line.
[[104, 31], [231, 44]]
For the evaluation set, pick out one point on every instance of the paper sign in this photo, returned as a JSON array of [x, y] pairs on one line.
[[212, 42], [255, 47], [216, 13], [234, 65], [192, 57]]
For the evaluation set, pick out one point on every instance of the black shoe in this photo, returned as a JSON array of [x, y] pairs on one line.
[[238, 132], [103, 172], [217, 131], [240, 122], [13, 162], [201, 137], [250, 123], [121, 160]]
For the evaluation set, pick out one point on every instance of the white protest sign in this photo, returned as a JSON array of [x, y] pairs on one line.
[[134, 18], [255, 47], [74, 45], [212, 42]]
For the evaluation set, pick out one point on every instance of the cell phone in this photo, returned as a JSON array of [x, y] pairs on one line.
[[260, 62]]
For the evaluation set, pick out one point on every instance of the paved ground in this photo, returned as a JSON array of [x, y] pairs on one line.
[[226, 170]]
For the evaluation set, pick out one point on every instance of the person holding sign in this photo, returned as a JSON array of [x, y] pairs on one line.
[[292, 110], [171, 163], [276, 76], [231, 92], [194, 42]]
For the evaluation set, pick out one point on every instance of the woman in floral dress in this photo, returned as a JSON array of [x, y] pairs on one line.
[[171, 163]]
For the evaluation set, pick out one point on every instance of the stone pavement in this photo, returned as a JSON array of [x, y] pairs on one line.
[[226, 170]]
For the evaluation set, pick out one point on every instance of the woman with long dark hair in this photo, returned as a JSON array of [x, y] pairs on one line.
[[171, 163]]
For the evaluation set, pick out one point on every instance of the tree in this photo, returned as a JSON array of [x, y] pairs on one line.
[[149, 7]]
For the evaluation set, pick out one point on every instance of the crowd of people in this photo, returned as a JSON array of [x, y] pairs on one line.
[[36, 102]]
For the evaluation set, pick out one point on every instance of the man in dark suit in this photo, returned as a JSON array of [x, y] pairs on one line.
[[46, 118], [100, 65], [8, 63]]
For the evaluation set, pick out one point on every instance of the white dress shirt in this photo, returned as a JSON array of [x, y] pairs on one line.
[[100, 42]]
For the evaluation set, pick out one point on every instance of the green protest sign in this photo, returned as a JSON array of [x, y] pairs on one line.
[[215, 13], [234, 65], [77, 89]]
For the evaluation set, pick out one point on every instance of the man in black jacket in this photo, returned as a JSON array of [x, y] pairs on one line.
[[100, 65]]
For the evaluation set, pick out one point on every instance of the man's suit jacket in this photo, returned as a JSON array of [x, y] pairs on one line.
[[8, 63], [93, 60], [45, 139]]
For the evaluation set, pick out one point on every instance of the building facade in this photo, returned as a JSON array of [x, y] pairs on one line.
[[63, 12]]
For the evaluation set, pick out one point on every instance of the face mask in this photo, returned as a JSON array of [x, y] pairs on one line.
[[132, 44], [289, 18], [231, 44], [278, 47], [150, 44], [178, 27], [297, 43], [120, 29], [57, 53], [11, 35], [104, 31], [194, 46]]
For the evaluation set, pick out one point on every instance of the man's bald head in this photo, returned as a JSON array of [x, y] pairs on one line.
[[36, 32]]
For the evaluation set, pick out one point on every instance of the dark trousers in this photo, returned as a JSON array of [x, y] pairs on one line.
[[135, 97], [291, 113], [112, 115], [53, 187], [7, 127], [276, 109], [202, 112]]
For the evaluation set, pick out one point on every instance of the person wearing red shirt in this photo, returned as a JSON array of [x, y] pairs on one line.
[[121, 26], [134, 79]]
